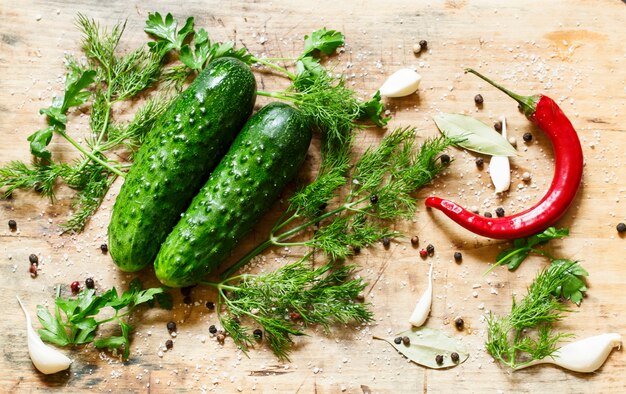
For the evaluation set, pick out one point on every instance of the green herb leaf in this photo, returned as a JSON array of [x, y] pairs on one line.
[[39, 142], [426, 344], [75, 84], [53, 330], [473, 134], [325, 41], [165, 30], [373, 110], [573, 286]]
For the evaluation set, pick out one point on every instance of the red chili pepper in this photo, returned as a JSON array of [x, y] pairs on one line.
[[568, 170]]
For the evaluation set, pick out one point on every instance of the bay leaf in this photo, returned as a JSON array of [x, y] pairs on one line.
[[474, 135], [426, 344]]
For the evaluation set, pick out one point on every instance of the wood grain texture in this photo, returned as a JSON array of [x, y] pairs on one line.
[[573, 51]]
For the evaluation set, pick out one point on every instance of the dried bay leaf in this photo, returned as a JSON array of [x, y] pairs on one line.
[[474, 135], [426, 344]]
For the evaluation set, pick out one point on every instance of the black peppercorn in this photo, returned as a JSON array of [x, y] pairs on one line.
[[89, 283], [478, 99], [12, 225], [397, 340], [458, 257], [445, 159], [500, 212], [527, 137], [430, 249], [356, 249], [439, 359], [415, 240], [480, 162], [423, 45], [258, 334], [104, 248], [621, 227], [169, 344], [487, 214], [171, 326], [459, 323], [386, 242], [454, 357], [373, 198], [34, 260], [406, 341], [212, 329], [210, 305], [498, 126]]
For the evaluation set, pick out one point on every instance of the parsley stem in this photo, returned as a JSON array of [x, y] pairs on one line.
[[90, 154], [275, 67]]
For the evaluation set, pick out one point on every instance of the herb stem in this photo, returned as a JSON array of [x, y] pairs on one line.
[[275, 67], [90, 154]]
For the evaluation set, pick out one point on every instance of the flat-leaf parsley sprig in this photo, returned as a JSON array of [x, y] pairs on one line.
[[75, 320]]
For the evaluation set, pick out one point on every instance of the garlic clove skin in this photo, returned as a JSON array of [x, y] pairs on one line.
[[422, 309], [500, 168], [401, 83], [46, 359], [586, 355]]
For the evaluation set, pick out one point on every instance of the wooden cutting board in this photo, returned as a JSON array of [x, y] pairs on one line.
[[571, 50]]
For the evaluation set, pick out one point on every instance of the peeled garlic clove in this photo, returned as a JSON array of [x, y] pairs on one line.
[[401, 83], [500, 168], [585, 355], [422, 309], [45, 358]]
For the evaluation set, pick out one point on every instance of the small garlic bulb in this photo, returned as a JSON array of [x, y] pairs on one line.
[[46, 359], [401, 83]]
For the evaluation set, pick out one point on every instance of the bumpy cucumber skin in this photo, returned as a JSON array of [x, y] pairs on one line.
[[176, 158], [265, 156]]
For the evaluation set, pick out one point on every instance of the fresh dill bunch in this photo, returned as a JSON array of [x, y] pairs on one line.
[[527, 333], [383, 184], [284, 302], [39, 176]]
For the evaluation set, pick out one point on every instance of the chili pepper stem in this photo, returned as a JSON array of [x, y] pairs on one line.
[[527, 103]]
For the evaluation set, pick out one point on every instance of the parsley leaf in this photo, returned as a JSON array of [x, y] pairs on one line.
[[165, 30], [522, 248], [325, 41], [39, 142], [75, 320], [573, 285], [373, 110]]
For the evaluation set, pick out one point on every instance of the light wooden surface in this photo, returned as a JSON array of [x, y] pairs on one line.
[[573, 51]]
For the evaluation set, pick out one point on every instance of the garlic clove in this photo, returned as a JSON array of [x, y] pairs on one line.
[[422, 308], [46, 359], [401, 83], [500, 168], [585, 355]]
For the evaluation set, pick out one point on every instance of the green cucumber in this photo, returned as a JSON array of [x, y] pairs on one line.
[[176, 159], [265, 156]]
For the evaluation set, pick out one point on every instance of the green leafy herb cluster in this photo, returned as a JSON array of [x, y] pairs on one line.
[[74, 320], [527, 333], [105, 79], [284, 302]]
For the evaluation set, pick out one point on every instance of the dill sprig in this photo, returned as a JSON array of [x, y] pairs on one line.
[[286, 301], [527, 333], [383, 186]]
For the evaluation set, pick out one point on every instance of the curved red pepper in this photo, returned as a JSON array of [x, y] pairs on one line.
[[568, 170]]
